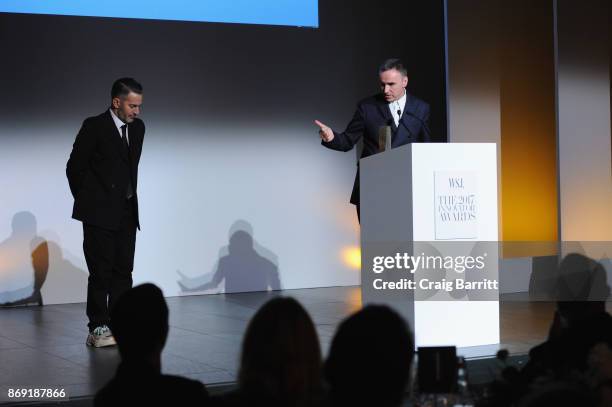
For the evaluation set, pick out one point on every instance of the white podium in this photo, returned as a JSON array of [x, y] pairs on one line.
[[436, 201]]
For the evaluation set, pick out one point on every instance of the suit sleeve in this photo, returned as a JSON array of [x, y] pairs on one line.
[[426, 128], [141, 142], [78, 163], [346, 140]]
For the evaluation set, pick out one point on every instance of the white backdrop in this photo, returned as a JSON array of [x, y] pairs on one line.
[[289, 193]]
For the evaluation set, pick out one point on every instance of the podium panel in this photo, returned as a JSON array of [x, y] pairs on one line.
[[429, 231]]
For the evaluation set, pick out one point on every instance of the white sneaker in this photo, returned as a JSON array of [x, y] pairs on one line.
[[101, 336]]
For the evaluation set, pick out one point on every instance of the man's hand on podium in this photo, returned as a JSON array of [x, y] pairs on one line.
[[326, 133]]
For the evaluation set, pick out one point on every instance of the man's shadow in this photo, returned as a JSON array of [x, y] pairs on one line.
[[24, 262], [34, 268], [244, 265], [65, 281]]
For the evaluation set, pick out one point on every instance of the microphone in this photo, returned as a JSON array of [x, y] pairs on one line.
[[384, 137], [423, 123]]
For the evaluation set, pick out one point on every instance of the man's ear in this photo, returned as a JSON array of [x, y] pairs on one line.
[[405, 81], [115, 103]]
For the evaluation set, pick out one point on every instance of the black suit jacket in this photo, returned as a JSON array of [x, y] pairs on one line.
[[373, 113], [99, 169]]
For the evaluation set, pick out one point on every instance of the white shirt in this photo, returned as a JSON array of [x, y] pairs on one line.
[[119, 123], [396, 105]]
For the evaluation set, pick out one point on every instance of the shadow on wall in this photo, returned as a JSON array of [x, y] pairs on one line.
[[33, 270], [244, 265]]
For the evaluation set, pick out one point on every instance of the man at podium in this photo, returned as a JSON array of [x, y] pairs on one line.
[[403, 115]]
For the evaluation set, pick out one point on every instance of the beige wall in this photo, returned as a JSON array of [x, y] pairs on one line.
[[583, 111], [555, 171]]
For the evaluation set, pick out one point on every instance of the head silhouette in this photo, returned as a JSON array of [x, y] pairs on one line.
[[370, 357], [24, 224], [581, 288], [240, 242], [241, 225], [139, 321], [281, 357]]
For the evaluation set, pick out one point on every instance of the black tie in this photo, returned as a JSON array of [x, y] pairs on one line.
[[130, 188], [124, 139]]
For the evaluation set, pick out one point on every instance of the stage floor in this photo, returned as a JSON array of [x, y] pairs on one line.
[[45, 346]]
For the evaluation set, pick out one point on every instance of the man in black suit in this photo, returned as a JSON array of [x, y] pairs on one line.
[[103, 175], [407, 116]]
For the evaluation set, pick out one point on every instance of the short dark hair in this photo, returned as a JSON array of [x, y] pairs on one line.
[[139, 321], [393, 63], [369, 358], [123, 86]]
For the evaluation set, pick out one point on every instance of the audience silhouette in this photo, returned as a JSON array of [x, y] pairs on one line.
[[140, 325], [563, 370], [370, 358], [580, 321], [281, 361]]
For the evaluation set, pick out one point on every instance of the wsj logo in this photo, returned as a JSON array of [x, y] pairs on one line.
[[455, 183]]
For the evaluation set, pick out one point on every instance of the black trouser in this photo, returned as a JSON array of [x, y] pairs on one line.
[[110, 259]]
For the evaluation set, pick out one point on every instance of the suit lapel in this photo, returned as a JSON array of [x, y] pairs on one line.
[[383, 108], [410, 108]]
